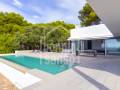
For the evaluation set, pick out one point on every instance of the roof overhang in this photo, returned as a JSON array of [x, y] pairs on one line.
[[90, 33], [109, 12]]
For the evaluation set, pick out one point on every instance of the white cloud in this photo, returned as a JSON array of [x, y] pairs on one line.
[[6, 8], [71, 5], [17, 3], [48, 15], [68, 11], [35, 16]]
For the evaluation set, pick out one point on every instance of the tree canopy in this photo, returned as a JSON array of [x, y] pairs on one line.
[[87, 16], [11, 26], [46, 34], [17, 34]]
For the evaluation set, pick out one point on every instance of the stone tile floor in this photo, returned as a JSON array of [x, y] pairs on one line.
[[92, 73]]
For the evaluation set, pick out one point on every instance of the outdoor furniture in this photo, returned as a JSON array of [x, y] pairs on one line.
[[100, 51], [86, 52]]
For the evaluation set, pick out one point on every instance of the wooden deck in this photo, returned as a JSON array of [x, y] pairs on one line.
[[5, 84]]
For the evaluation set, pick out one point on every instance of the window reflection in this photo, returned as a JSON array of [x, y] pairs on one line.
[[113, 46]]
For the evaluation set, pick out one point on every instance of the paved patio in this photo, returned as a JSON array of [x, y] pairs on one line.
[[92, 73]]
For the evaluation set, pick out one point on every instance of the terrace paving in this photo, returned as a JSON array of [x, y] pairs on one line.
[[92, 73]]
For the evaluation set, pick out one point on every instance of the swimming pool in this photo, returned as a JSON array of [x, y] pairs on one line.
[[50, 66]]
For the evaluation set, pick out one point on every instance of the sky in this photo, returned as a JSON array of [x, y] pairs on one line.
[[43, 11]]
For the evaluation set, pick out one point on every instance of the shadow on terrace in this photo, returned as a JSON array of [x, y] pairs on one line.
[[91, 80], [109, 64]]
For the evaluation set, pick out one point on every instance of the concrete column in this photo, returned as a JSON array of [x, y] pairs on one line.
[[77, 45], [69, 46], [105, 47], [82, 45], [73, 47]]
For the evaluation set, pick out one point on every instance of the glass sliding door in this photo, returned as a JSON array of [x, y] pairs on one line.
[[89, 44], [76, 46], [113, 46]]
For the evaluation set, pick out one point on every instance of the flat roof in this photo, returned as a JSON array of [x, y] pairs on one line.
[[91, 32]]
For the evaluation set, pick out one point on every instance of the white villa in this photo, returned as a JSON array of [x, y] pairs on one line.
[[30, 70], [103, 38], [97, 37]]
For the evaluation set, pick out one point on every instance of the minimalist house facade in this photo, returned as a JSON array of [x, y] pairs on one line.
[[97, 37], [102, 38]]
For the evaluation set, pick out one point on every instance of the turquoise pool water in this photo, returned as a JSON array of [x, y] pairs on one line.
[[49, 66]]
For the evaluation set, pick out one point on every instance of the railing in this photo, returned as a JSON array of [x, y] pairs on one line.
[[86, 52]]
